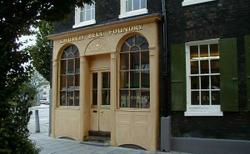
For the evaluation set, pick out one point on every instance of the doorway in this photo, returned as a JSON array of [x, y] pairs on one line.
[[100, 101]]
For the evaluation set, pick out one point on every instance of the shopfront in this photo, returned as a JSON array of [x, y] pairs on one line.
[[106, 79]]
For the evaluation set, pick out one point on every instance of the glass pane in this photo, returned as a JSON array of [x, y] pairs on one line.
[[215, 66], [204, 51], [94, 97], [134, 48], [145, 60], [105, 97], [77, 65], [124, 98], [139, 40], [94, 80], [205, 98], [70, 98], [128, 5], [124, 61], [145, 79], [135, 60], [195, 82], [204, 66], [135, 98], [82, 16], [63, 82], [145, 99], [124, 80], [193, 52], [215, 97], [194, 67], [136, 4], [214, 51], [131, 41], [63, 66], [134, 80], [93, 13], [77, 81], [70, 68], [105, 80], [88, 15], [143, 4], [195, 98], [215, 82], [70, 82], [125, 47], [76, 98], [144, 46], [63, 98], [204, 82]]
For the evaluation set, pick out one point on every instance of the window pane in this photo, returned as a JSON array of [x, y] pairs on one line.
[[63, 98], [205, 98], [63, 66], [139, 40], [93, 13], [124, 61], [215, 82], [136, 4], [145, 60], [105, 97], [205, 82], [194, 67], [125, 47], [145, 79], [134, 80], [215, 97], [88, 14], [124, 79], [145, 99], [77, 65], [214, 51], [204, 51], [143, 4], [70, 98], [195, 82], [135, 60], [63, 82], [195, 98], [144, 46], [124, 98], [193, 52], [70, 82], [70, 68], [77, 98], [105, 80], [82, 18], [128, 5], [204, 66], [135, 98], [214, 66], [94, 80], [94, 97], [77, 82]]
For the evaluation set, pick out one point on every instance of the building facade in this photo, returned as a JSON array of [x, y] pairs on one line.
[[105, 73], [208, 44]]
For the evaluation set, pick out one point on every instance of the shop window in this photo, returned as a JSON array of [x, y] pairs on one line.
[[134, 73], [193, 2], [203, 78], [69, 77], [133, 8], [84, 15]]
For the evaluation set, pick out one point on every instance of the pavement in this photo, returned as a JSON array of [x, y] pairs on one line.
[[48, 145]]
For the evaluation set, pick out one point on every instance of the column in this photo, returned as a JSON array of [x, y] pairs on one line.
[[55, 95]]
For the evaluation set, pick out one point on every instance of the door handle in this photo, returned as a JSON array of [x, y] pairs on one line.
[[94, 111]]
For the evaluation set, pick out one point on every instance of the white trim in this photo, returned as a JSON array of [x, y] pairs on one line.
[[193, 2], [85, 23], [125, 14], [198, 110]]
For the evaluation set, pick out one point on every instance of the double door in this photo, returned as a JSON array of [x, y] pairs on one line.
[[100, 101]]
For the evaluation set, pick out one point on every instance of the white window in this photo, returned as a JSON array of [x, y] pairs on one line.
[[203, 78], [84, 15], [192, 2], [133, 8]]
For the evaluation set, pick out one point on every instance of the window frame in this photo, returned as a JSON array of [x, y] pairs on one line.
[[193, 2], [125, 14], [198, 110], [78, 22]]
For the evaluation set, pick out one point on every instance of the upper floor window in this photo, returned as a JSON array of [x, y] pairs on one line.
[[203, 78], [69, 77], [192, 2], [84, 15], [132, 8]]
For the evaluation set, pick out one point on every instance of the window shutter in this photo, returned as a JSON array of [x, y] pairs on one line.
[[228, 70], [178, 77], [247, 48]]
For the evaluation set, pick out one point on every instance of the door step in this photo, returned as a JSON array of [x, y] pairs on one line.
[[98, 138]]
